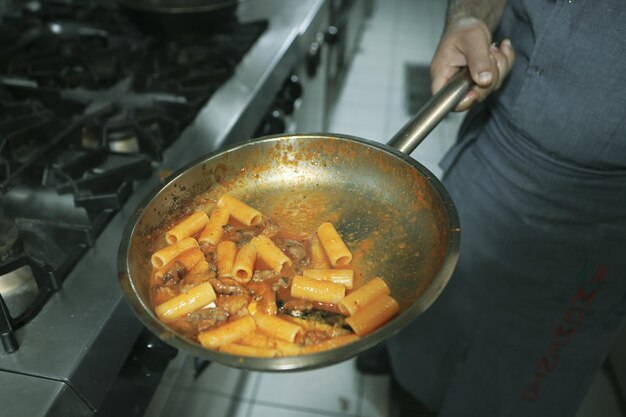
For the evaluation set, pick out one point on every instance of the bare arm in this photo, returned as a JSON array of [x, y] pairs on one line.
[[488, 11], [467, 41]]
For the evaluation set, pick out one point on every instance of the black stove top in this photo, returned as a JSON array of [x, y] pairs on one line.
[[88, 104]]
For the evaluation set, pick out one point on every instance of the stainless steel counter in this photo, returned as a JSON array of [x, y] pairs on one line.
[[72, 351]]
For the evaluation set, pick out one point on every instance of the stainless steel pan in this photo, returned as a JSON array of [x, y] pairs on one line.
[[380, 195]]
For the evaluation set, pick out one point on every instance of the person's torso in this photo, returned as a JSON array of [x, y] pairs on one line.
[[566, 97]]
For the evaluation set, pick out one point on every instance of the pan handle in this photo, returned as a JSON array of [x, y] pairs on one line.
[[429, 116]]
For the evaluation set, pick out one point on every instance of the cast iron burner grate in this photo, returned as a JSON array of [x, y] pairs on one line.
[[88, 105]]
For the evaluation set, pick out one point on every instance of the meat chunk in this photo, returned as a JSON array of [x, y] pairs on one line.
[[242, 235], [296, 307], [210, 255], [227, 286], [207, 249], [280, 284], [260, 276], [296, 252], [162, 293], [233, 304], [173, 275], [207, 318], [270, 228], [336, 322], [267, 303], [195, 279], [264, 296], [313, 337]]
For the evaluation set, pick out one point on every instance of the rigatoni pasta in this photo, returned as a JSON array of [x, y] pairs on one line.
[[315, 290], [199, 267], [188, 259], [228, 333], [277, 327], [363, 296], [263, 340], [214, 229], [318, 256], [243, 350], [186, 228], [343, 277], [240, 210], [373, 315], [243, 266], [269, 252], [225, 258], [242, 285], [330, 344], [185, 303], [168, 253], [336, 250]]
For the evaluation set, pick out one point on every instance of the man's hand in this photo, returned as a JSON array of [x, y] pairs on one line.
[[467, 42]]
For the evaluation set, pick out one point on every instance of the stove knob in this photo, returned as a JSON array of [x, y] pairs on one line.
[[273, 123], [294, 87], [314, 58], [291, 91], [331, 36], [153, 354]]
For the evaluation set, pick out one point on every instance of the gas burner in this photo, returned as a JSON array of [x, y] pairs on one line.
[[62, 54], [88, 106], [10, 244], [196, 67], [36, 259]]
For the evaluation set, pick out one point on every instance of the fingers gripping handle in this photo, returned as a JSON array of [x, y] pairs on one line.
[[429, 116]]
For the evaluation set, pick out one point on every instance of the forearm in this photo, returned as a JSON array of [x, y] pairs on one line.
[[488, 11]]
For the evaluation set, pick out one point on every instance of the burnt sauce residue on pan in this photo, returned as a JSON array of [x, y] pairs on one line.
[[384, 208]]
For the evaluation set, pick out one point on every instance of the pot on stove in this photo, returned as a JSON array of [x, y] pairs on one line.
[[174, 18]]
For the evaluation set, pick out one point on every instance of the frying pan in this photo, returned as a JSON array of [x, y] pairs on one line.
[[396, 217], [176, 18]]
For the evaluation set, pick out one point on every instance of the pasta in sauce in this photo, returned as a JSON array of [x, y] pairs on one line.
[[234, 281]]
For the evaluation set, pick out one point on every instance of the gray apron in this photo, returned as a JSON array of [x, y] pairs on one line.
[[539, 178]]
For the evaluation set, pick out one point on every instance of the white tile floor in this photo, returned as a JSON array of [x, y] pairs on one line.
[[372, 104], [373, 100], [226, 392]]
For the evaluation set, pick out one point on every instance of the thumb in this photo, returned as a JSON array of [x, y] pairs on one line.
[[475, 47], [480, 65]]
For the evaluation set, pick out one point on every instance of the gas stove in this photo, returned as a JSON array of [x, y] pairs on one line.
[[93, 113], [90, 104]]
